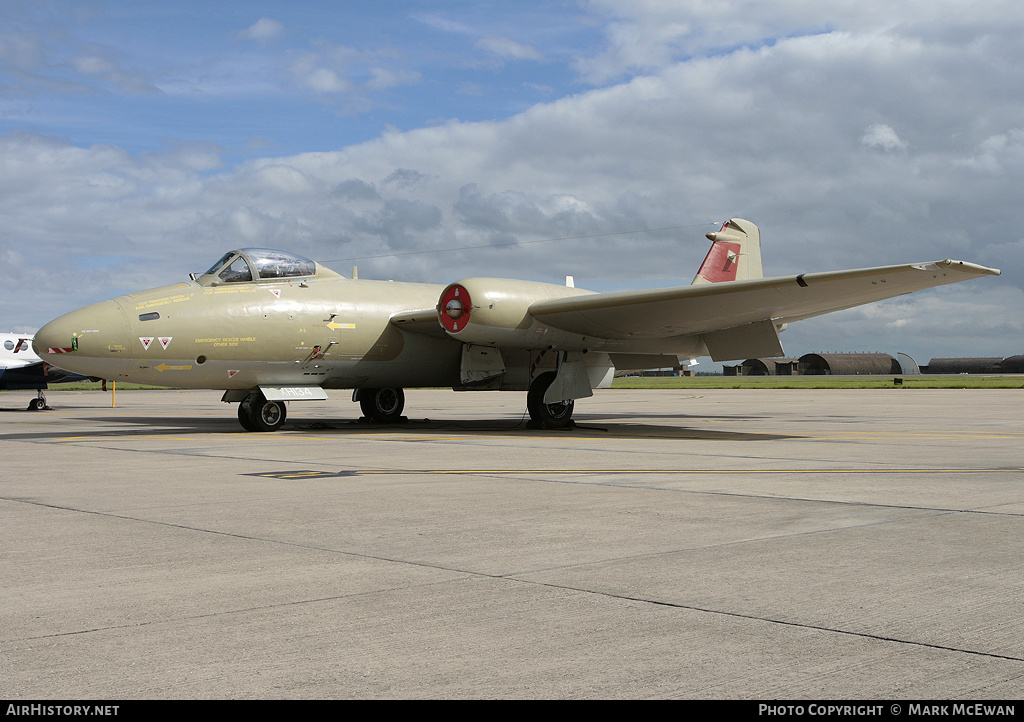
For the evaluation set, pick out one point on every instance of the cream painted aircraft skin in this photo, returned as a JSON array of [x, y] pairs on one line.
[[269, 326]]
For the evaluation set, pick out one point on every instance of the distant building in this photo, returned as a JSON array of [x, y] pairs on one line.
[[847, 364], [863, 364], [964, 366], [908, 365], [1012, 364], [762, 367]]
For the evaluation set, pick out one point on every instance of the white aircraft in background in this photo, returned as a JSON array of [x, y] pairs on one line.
[[21, 369]]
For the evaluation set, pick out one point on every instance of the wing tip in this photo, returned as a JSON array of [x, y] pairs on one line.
[[968, 267]]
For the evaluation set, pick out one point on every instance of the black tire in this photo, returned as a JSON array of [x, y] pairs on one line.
[[37, 404], [245, 414], [382, 405], [264, 415], [550, 416]]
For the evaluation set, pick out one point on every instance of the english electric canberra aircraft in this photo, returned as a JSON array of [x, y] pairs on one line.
[[268, 327]]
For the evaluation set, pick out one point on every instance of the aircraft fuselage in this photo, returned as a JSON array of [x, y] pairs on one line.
[[331, 332]]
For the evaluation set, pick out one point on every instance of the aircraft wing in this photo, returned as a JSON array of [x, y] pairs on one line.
[[35, 376], [704, 309]]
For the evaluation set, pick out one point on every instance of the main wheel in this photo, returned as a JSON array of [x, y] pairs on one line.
[[550, 416], [245, 413], [261, 415], [37, 404], [382, 405]]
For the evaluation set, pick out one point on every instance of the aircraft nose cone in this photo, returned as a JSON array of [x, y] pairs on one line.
[[92, 341]]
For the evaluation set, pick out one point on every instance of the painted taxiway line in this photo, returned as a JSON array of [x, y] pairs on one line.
[[314, 474]]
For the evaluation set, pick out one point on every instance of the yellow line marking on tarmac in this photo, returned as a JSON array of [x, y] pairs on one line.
[[308, 473], [681, 471], [907, 438], [920, 435]]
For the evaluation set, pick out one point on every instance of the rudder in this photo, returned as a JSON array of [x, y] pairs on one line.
[[735, 254]]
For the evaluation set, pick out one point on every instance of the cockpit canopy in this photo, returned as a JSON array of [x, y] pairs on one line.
[[258, 264]]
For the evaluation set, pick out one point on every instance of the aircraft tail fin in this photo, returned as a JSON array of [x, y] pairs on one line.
[[735, 254]]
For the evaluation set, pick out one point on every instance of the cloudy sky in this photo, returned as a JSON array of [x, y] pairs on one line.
[[431, 141]]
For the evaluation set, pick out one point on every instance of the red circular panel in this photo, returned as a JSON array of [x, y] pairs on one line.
[[454, 308]]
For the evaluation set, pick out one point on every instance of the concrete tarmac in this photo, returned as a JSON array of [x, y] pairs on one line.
[[708, 544]]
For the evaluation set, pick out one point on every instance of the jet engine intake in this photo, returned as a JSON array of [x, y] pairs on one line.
[[495, 312]]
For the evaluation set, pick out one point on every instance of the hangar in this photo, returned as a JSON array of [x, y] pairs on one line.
[[848, 364], [818, 364], [1012, 364], [763, 367], [964, 366], [863, 364]]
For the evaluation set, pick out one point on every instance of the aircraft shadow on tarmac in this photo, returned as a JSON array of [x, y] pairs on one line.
[[587, 425]]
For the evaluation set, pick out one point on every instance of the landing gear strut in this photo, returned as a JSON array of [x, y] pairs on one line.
[[38, 403], [547, 416], [381, 405], [255, 413]]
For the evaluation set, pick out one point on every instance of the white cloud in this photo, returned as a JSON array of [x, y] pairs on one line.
[[337, 69], [322, 80], [508, 49], [883, 137], [99, 63], [263, 29], [997, 153], [645, 35]]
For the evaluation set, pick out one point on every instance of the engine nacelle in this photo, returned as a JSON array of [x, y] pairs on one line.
[[493, 312]]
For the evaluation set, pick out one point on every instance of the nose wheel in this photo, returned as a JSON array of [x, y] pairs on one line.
[[255, 413], [38, 403]]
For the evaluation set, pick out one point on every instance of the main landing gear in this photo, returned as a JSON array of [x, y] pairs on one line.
[[255, 413], [38, 403], [383, 406], [547, 416]]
